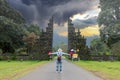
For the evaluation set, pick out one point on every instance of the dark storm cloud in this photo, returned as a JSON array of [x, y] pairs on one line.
[[39, 11], [45, 2], [26, 11], [85, 23]]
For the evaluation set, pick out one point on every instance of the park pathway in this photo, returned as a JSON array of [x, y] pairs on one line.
[[70, 72]]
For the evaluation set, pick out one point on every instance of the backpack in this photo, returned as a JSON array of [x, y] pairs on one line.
[[59, 58]]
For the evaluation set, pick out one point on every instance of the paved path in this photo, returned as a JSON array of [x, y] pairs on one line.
[[70, 72]]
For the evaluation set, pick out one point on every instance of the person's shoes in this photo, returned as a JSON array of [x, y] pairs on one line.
[[56, 69], [60, 70]]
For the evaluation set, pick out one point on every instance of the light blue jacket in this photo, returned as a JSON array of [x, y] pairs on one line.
[[60, 53]]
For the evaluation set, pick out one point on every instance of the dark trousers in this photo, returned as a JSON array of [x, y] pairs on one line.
[[59, 65]]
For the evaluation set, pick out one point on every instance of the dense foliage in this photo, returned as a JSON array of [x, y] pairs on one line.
[[99, 48], [11, 32], [109, 21], [13, 28], [10, 13]]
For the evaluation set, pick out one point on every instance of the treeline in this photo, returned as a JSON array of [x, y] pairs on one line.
[[109, 23], [14, 32]]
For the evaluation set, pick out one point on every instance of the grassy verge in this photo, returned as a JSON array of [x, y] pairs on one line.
[[107, 70], [14, 69]]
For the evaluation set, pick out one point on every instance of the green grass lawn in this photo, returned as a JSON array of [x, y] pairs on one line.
[[107, 70], [14, 69]]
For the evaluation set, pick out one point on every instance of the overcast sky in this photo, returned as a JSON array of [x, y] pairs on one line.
[[83, 13]]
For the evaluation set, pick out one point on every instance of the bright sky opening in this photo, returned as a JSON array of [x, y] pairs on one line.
[[90, 31]]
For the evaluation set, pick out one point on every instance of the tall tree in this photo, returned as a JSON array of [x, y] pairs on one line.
[[11, 27], [30, 40], [109, 19], [34, 28]]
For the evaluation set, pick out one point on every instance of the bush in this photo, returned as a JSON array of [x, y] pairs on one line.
[[119, 57]]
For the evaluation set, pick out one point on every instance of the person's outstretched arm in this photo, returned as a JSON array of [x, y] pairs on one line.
[[65, 53], [54, 53]]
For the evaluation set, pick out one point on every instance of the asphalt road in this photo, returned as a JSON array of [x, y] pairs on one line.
[[70, 72]]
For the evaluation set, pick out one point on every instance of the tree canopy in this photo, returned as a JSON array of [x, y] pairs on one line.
[[109, 20], [13, 27]]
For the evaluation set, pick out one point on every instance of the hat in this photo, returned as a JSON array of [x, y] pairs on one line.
[[59, 50], [72, 50]]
